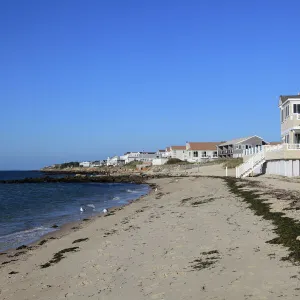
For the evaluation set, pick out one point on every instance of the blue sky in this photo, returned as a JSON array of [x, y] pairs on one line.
[[81, 80]]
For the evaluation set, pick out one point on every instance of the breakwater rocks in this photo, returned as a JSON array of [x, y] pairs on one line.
[[138, 179]]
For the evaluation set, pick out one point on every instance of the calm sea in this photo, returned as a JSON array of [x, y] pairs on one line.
[[28, 211]]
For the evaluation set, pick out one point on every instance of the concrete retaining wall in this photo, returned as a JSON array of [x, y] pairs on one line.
[[283, 167]]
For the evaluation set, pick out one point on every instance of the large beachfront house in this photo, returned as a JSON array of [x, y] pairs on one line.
[[201, 151], [235, 148], [284, 158], [290, 118]]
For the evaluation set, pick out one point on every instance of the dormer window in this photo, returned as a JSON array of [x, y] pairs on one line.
[[296, 108]]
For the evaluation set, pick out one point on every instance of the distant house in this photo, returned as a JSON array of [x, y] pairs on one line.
[[234, 148], [178, 152], [97, 163], [168, 153], [115, 161], [160, 153], [201, 151], [138, 156], [85, 164]]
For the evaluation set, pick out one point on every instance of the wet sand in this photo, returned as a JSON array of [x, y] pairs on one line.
[[192, 239]]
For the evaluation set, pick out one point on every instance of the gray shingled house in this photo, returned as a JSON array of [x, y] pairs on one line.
[[234, 148]]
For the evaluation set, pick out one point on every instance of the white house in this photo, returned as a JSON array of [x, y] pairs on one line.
[[114, 161], [168, 153], [85, 164], [97, 163], [160, 153], [201, 151], [138, 156], [178, 152]]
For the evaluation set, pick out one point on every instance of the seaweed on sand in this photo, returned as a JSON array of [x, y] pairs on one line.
[[287, 229], [57, 257], [80, 240]]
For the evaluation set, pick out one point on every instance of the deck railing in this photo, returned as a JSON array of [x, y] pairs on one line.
[[293, 146]]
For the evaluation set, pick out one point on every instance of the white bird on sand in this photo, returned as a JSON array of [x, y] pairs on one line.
[[156, 190], [104, 210]]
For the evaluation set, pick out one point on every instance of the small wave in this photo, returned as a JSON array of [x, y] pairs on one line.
[[23, 237], [116, 198], [131, 191], [91, 205]]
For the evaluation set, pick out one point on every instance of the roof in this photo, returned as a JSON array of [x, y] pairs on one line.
[[203, 145], [283, 99], [275, 143], [161, 150], [148, 152], [237, 141], [178, 147]]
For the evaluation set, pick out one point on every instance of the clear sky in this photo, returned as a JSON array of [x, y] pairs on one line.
[[81, 80]]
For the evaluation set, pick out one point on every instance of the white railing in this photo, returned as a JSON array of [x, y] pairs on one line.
[[272, 148], [252, 151], [267, 148], [293, 146], [247, 167]]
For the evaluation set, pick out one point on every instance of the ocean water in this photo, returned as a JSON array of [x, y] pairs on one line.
[[28, 211]]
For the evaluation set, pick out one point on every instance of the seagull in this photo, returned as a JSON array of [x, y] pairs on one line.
[[156, 190], [81, 209], [104, 210]]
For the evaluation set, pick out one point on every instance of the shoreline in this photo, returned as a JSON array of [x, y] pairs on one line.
[[68, 227], [195, 237]]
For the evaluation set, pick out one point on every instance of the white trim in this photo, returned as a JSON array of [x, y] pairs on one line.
[[290, 129]]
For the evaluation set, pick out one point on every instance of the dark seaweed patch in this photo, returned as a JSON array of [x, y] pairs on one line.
[[210, 252], [183, 201], [80, 240], [107, 233], [13, 272], [57, 257], [109, 214], [7, 262], [22, 247], [17, 254]]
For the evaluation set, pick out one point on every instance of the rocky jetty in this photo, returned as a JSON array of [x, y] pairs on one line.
[[138, 179]]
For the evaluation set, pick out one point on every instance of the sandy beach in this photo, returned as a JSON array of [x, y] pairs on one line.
[[194, 238]]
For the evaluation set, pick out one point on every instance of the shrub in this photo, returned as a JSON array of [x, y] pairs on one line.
[[176, 161], [232, 163]]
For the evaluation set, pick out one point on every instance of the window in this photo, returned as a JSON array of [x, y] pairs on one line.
[[215, 154], [195, 153], [286, 139], [204, 154], [189, 154], [285, 112], [296, 109]]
